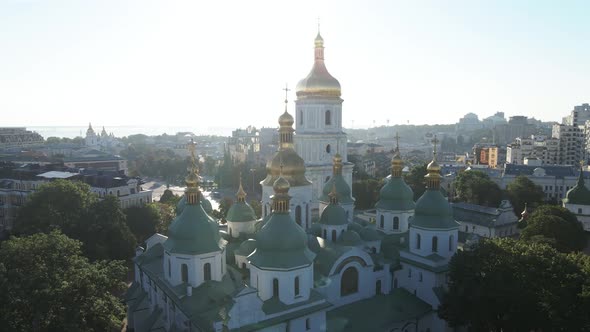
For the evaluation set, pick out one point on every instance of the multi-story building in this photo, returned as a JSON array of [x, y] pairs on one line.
[[18, 137], [469, 122], [485, 154], [16, 183], [244, 145], [572, 144], [578, 116], [540, 147]]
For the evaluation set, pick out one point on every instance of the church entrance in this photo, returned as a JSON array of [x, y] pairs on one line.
[[349, 284]]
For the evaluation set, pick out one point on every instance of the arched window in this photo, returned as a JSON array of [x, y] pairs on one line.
[[207, 271], [296, 286], [328, 118], [349, 283], [230, 232], [325, 234], [333, 235], [169, 268], [466, 229], [451, 242], [307, 324], [300, 117], [244, 266], [328, 148], [275, 287], [420, 276], [378, 287], [418, 240], [373, 250], [118, 193], [307, 215], [382, 221], [395, 223], [434, 244], [298, 215], [265, 213], [184, 272]]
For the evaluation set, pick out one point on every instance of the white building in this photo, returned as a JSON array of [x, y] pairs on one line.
[[486, 221], [318, 114], [572, 144], [545, 149], [578, 202]]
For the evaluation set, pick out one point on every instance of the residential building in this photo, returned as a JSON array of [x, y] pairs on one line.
[[572, 144], [545, 149], [244, 145], [18, 137], [578, 116]]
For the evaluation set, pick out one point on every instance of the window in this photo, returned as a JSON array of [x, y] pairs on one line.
[[328, 118], [579, 211], [395, 283], [184, 272], [307, 324], [333, 235], [418, 240], [327, 179], [300, 117], [420, 276], [325, 234], [378, 287], [382, 221], [296, 286], [466, 229], [275, 287], [169, 268], [395, 223], [451, 242], [328, 148], [409, 273], [349, 283], [207, 271], [244, 266], [434, 244], [298, 215]]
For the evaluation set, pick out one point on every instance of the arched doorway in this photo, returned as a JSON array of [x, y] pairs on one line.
[[349, 284], [378, 287]]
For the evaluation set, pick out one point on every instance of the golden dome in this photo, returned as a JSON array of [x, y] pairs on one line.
[[286, 120], [293, 168], [281, 186], [319, 82], [337, 158], [433, 166]]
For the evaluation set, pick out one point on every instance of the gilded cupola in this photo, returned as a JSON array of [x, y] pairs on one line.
[[319, 82]]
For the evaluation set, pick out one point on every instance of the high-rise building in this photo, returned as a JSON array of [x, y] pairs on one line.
[[578, 116], [543, 148], [571, 143]]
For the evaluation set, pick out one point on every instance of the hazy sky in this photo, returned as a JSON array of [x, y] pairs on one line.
[[212, 64]]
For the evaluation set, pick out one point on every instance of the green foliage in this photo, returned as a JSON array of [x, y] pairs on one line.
[[415, 179], [556, 226], [168, 197], [73, 209], [521, 191], [167, 215], [366, 193], [47, 285], [224, 206], [475, 187], [145, 160], [257, 207], [143, 221], [508, 285]]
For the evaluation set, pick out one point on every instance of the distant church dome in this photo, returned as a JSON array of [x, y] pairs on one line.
[[319, 82]]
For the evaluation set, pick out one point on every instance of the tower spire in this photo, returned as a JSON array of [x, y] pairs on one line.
[[397, 164], [286, 125], [192, 179], [433, 169], [241, 194]]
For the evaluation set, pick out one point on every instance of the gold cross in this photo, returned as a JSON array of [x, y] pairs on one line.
[[286, 89], [192, 146], [397, 139], [435, 141]]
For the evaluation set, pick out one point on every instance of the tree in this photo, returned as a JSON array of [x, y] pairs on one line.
[[415, 179], [70, 206], [556, 226], [508, 285], [47, 285], [475, 187], [366, 193], [168, 197], [522, 190], [143, 221]]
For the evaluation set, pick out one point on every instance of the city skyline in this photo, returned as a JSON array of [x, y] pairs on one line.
[[149, 64]]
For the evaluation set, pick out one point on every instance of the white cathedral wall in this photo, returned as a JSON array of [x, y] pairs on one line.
[[237, 228], [247, 309], [348, 207], [404, 217], [582, 212], [263, 281], [426, 236], [300, 196], [420, 281], [195, 265]]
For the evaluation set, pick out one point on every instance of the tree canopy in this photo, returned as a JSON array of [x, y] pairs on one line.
[[70, 206], [522, 190], [508, 285], [555, 226], [143, 221], [47, 285], [476, 187], [415, 179]]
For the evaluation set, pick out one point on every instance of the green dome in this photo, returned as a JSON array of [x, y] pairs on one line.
[[204, 202], [193, 232], [343, 192], [354, 226], [368, 233], [281, 243], [350, 238], [579, 194], [333, 214], [396, 195], [240, 212], [246, 247], [433, 211], [315, 229]]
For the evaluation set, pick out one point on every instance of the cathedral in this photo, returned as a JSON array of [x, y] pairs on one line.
[[283, 272]]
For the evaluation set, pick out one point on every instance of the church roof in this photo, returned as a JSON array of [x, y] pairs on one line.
[[240, 212], [478, 214], [333, 214], [396, 195], [319, 82], [343, 191], [579, 194], [433, 211], [193, 232]]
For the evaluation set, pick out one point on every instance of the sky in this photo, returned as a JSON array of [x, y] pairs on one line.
[[223, 64]]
